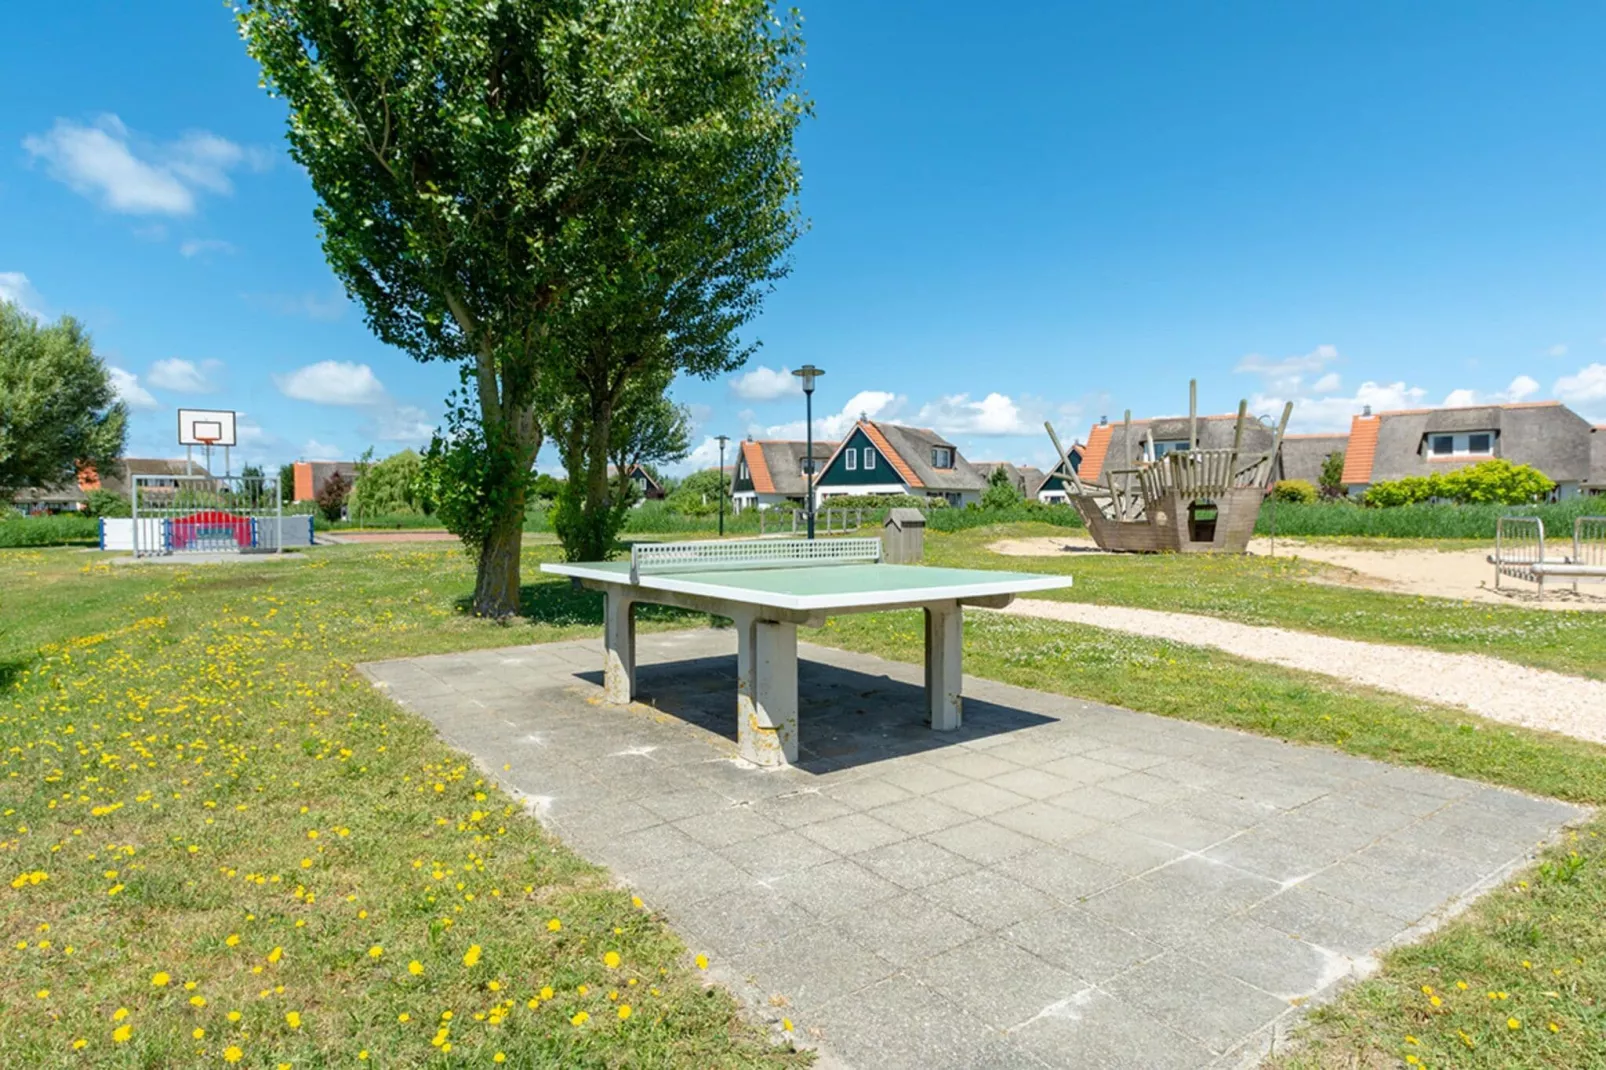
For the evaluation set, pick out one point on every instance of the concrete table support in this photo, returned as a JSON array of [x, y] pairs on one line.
[[619, 648], [766, 691], [945, 639]]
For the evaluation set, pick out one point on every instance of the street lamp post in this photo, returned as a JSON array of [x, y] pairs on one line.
[[808, 373], [722, 439]]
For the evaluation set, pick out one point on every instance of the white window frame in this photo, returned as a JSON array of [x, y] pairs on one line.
[[1460, 444], [942, 457], [850, 460], [869, 458]]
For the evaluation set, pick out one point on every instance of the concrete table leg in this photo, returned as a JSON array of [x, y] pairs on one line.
[[945, 634], [619, 649], [766, 692]]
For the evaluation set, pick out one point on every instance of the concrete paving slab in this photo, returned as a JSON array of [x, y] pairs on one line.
[[1057, 884]]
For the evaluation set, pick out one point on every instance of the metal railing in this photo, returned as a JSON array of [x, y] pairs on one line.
[[1519, 544], [176, 514], [827, 520], [1589, 546]]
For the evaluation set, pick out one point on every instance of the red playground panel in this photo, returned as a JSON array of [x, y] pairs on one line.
[[210, 526]]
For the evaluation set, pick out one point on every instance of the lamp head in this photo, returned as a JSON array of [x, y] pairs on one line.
[[808, 373]]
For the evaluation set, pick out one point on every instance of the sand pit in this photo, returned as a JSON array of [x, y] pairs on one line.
[[1464, 575]]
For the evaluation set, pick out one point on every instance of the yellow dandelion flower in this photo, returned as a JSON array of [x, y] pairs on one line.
[[119, 1014], [80, 1044], [234, 1016], [197, 1033], [611, 960], [121, 1034], [702, 962], [583, 989], [636, 902], [43, 993], [499, 1058], [294, 1019], [546, 992], [786, 1024], [1513, 1023], [532, 1003], [415, 968], [276, 954], [375, 952], [232, 940], [363, 1055], [160, 979], [580, 1018], [197, 1001], [471, 957], [1554, 1028], [404, 1017], [624, 1011], [232, 1054]]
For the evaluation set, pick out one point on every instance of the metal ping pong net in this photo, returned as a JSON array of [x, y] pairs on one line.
[[711, 556]]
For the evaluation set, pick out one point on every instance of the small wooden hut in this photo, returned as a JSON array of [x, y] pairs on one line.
[[1186, 500]]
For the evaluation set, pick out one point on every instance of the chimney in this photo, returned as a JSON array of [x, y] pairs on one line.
[[1103, 420], [1366, 410]]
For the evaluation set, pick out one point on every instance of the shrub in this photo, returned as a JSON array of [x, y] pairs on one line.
[[1495, 481], [1296, 491], [1331, 480], [332, 496], [63, 529], [1001, 492], [103, 502]]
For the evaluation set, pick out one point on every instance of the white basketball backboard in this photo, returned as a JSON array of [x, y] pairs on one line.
[[205, 427]]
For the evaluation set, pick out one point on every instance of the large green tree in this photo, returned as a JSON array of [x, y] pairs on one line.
[[58, 406], [501, 182]]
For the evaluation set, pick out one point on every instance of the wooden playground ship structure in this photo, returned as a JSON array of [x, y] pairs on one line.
[[1186, 499]]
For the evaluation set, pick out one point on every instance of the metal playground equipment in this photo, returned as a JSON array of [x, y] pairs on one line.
[[1519, 552], [1183, 499], [212, 514]]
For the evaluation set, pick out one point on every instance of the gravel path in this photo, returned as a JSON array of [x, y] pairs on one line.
[[1498, 690]]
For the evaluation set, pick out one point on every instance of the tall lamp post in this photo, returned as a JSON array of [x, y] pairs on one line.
[[1267, 420], [808, 373], [722, 439]]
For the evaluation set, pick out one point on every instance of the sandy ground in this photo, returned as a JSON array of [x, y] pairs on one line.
[[1465, 575], [1487, 686]]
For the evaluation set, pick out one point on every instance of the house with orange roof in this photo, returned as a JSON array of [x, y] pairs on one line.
[[1545, 435], [885, 459], [772, 473], [1115, 447]]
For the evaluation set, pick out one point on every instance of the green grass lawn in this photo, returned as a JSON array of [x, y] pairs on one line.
[[1278, 591], [220, 843], [218, 838]]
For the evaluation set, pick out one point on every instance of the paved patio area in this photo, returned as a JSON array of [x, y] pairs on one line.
[[1058, 884]]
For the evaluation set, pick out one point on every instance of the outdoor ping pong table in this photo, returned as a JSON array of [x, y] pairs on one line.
[[768, 587]]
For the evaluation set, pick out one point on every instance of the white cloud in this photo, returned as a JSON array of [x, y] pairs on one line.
[[407, 424], [128, 389], [313, 306], [1327, 383], [183, 376], [1332, 413], [15, 287], [1519, 389], [874, 404], [1558, 350], [995, 414], [105, 163], [765, 384], [1583, 388], [333, 382], [1286, 375], [704, 455], [321, 451], [196, 246]]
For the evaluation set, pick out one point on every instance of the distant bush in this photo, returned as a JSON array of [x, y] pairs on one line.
[[1001, 492], [882, 502], [1296, 491], [63, 529], [103, 502], [1027, 510], [1427, 520], [1496, 481]]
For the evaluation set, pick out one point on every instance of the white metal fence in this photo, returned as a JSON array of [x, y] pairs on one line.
[[209, 514]]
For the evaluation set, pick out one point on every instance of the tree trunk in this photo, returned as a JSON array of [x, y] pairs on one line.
[[496, 584], [598, 532]]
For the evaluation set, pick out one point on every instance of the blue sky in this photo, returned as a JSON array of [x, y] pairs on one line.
[[1057, 215]]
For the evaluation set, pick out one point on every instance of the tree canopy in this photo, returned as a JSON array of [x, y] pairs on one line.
[[559, 195], [58, 406]]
